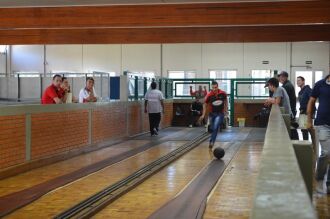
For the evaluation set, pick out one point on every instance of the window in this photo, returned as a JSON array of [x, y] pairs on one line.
[[27, 74], [223, 75], [181, 88], [258, 89], [141, 75]]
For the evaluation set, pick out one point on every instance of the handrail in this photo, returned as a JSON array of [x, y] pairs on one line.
[[280, 188]]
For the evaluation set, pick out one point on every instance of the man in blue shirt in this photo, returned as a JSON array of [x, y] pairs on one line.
[[303, 97], [321, 91]]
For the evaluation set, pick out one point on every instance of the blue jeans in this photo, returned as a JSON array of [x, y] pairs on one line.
[[216, 121], [323, 137]]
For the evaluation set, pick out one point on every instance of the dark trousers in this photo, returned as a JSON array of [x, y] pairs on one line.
[[154, 120]]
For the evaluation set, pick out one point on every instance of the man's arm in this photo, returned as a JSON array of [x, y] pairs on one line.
[[310, 111], [57, 100], [145, 106]]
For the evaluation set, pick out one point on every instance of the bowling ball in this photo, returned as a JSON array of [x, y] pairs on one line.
[[219, 152]]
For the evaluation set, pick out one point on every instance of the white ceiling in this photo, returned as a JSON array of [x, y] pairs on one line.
[[54, 3]]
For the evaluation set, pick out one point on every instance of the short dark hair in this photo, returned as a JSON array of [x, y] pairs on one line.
[[57, 75], [326, 77], [153, 85], [273, 81], [301, 77], [284, 74], [89, 78], [214, 83]]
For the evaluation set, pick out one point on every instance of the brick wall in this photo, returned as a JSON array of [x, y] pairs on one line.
[[109, 122], [12, 140], [53, 133]]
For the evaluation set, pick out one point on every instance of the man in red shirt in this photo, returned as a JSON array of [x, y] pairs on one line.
[[218, 107], [53, 94]]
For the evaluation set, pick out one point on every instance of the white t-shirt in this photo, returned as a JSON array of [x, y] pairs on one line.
[[154, 97], [85, 94]]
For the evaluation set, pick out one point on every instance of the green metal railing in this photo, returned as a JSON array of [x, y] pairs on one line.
[[138, 87], [231, 88]]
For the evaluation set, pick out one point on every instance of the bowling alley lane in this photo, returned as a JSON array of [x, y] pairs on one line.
[[232, 197], [45, 173], [161, 187], [59, 200]]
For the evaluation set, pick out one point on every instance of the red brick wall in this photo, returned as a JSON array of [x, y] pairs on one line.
[[134, 117], [167, 117], [109, 122], [12, 140], [53, 133]]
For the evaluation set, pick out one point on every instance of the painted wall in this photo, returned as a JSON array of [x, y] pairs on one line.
[[201, 58]]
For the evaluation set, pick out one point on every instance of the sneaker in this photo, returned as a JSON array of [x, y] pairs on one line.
[[320, 187], [155, 131], [190, 126]]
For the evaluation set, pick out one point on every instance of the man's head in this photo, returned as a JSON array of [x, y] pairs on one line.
[[273, 84], [200, 88], [283, 76], [153, 85], [57, 80], [300, 81], [89, 83], [214, 86], [65, 83]]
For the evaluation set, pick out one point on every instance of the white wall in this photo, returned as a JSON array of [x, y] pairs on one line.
[[141, 57], [223, 56], [27, 58], [148, 57], [186, 56], [64, 58], [104, 58]]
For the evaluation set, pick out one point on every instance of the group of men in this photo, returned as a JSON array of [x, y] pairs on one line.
[[285, 96], [60, 92]]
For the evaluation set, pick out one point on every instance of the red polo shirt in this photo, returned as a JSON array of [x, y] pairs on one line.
[[50, 93]]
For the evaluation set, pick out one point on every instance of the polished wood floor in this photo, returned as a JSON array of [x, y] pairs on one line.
[[230, 198]]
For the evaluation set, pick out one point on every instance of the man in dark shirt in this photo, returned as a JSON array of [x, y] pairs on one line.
[[321, 91], [196, 110], [303, 97], [289, 88]]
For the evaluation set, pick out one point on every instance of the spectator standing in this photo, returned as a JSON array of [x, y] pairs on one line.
[[280, 97], [289, 88], [321, 91], [154, 105], [303, 97], [199, 94], [88, 94], [53, 93]]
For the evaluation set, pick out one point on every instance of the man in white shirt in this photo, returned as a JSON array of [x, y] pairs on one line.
[[88, 94], [154, 105]]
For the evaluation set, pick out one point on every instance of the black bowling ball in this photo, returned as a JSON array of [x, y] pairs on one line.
[[219, 152]]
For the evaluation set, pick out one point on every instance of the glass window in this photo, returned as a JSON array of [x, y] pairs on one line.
[[181, 89], [222, 75], [259, 89]]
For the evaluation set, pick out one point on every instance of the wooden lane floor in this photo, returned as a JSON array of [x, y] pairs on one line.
[[39, 175], [43, 174], [233, 196], [166, 184], [160, 188], [59, 200]]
